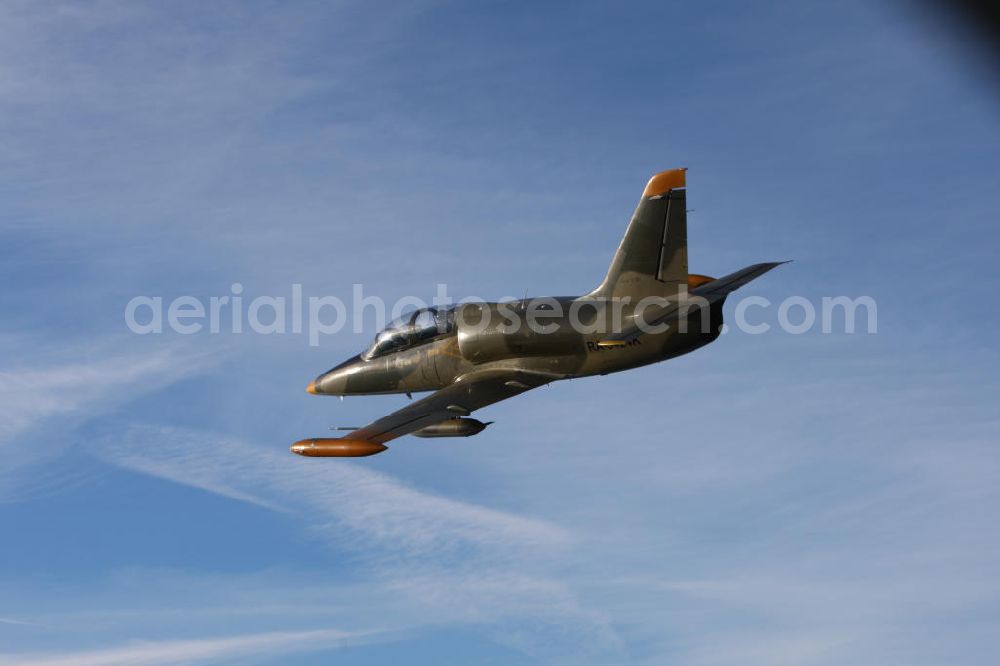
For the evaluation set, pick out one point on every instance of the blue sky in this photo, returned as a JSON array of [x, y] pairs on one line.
[[772, 499]]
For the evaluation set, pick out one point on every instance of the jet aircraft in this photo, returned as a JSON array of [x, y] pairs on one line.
[[647, 309]]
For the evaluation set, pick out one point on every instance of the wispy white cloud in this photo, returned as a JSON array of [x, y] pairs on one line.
[[55, 391], [534, 614], [340, 501], [451, 561], [32, 394], [150, 653], [7, 620], [796, 648]]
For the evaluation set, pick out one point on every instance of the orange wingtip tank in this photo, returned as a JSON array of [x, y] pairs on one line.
[[664, 181], [336, 448]]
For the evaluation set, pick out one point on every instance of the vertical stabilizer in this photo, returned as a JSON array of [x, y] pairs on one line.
[[652, 257]]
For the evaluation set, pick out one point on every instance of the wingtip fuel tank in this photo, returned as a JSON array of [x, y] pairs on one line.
[[320, 447]]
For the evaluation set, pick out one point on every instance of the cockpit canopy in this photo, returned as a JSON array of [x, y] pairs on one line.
[[411, 329]]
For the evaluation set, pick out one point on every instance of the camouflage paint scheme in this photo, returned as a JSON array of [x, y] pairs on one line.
[[470, 365]]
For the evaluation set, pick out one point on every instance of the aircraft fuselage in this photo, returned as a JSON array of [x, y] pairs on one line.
[[439, 361]]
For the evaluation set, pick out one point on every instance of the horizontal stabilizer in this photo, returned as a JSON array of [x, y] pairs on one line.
[[723, 286]]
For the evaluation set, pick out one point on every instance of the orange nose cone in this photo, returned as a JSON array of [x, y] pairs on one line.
[[311, 388]]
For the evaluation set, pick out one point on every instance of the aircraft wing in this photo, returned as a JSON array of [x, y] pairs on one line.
[[466, 394], [706, 294]]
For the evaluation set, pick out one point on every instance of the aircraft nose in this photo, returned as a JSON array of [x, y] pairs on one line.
[[350, 377], [333, 382]]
